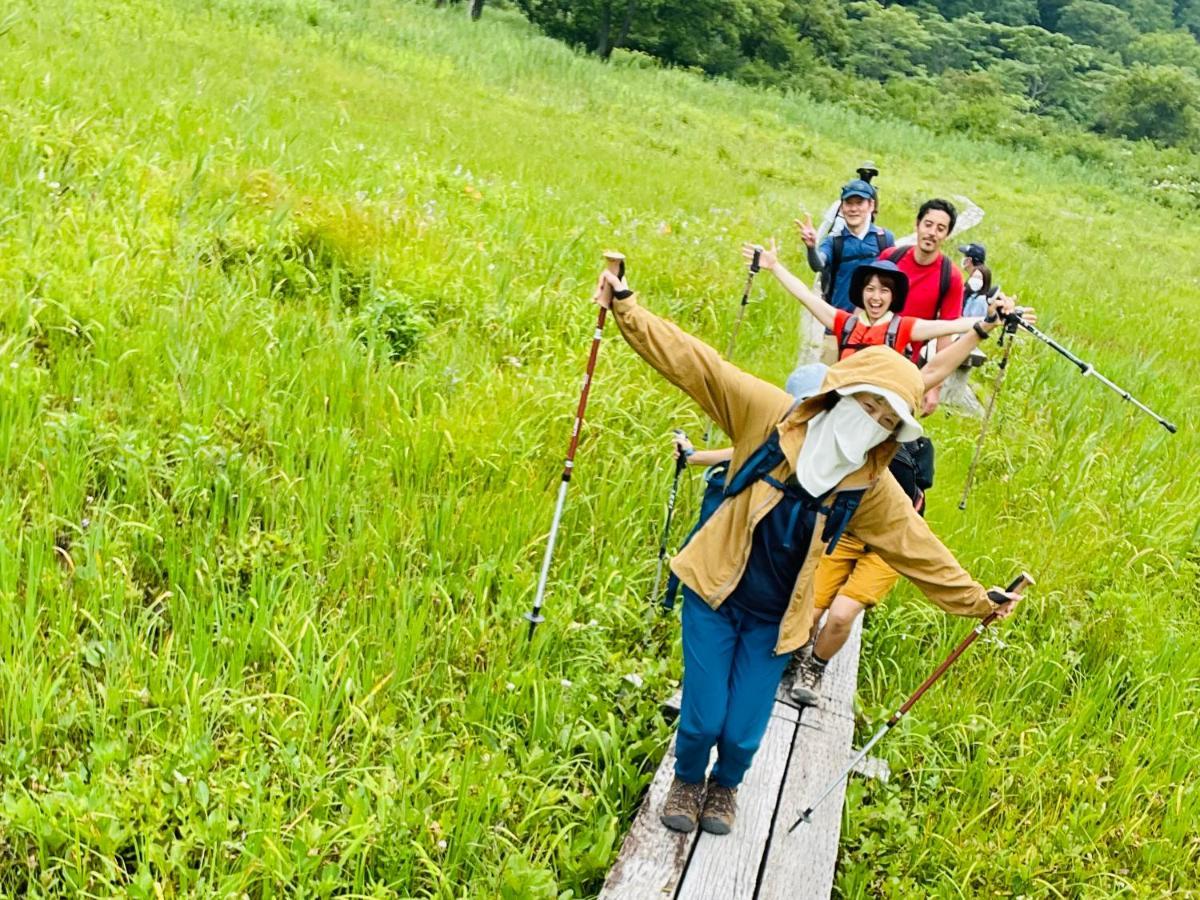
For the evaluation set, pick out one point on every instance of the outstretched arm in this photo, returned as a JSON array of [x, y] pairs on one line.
[[887, 523], [695, 457], [946, 361], [928, 329], [769, 259], [735, 400]]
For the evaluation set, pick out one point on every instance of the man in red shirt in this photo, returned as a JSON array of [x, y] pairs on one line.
[[935, 287]]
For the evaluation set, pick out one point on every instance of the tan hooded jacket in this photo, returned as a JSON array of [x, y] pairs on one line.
[[747, 408]]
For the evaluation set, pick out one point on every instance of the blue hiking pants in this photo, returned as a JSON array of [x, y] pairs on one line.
[[730, 674]]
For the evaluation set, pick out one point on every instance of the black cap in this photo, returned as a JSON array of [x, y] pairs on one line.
[[974, 252]]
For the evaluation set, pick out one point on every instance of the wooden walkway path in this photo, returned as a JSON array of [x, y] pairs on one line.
[[801, 752]]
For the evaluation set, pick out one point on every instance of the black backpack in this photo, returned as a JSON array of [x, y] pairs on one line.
[[758, 467], [912, 467], [883, 241]]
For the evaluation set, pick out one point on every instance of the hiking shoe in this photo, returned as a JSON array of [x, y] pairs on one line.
[[807, 686], [682, 809], [798, 656], [720, 809]]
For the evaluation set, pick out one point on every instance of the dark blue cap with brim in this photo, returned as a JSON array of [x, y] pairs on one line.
[[858, 188]]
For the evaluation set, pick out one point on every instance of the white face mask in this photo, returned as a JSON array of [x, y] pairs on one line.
[[836, 444], [975, 282]]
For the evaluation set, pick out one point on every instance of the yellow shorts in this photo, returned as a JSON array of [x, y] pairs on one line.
[[854, 571]]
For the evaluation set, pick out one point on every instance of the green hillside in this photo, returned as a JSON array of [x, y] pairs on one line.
[[293, 313]]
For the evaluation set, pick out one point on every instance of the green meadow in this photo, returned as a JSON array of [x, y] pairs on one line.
[[293, 316]]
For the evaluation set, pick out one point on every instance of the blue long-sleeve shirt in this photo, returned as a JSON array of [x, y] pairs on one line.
[[855, 252]]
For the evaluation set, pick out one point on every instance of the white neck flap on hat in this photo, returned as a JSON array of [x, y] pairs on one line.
[[835, 445]]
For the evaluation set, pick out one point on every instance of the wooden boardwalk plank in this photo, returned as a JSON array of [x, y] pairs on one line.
[[759, 860], [653, 858], [801, 865], [727, 866]]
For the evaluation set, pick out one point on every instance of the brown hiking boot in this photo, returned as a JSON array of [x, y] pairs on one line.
[[807, 686], [720, 809], [682, 808]]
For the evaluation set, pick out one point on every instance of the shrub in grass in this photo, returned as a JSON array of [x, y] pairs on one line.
[[388, 323]]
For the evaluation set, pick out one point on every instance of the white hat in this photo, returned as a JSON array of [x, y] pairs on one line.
[[910, 429]]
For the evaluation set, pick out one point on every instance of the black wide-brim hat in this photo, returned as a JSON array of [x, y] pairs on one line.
[[863, 273]]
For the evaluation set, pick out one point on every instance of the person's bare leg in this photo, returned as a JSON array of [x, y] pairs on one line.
[[842, 613]]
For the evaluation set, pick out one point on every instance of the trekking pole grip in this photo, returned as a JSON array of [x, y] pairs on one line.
[[615, 262], [680, 458], [1016, 586]]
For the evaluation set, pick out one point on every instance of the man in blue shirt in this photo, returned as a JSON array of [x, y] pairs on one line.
[[837, 257]]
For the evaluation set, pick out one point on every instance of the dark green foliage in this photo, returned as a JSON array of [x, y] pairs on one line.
[[1097, 25], [946, 64], [1161, 103], [387, 322], [1166, 48]]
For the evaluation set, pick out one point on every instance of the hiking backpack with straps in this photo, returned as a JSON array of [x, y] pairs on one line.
[[889, 338], [883, 243], [758, 467]]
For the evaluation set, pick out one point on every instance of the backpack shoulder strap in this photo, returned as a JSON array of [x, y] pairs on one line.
[[829, 273], [943, 285], [892, 330], [885, 241], [837, 516], [847, 330], [758, 464]]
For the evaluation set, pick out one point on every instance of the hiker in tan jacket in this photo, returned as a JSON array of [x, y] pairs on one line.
[[747, 573]]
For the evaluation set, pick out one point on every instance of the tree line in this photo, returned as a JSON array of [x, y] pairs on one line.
[[1127, 68]]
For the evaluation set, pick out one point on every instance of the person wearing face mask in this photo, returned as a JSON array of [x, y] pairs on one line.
[[747, 571], [978, 287]]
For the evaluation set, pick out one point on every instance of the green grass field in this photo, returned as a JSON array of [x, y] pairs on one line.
[[294, 312]]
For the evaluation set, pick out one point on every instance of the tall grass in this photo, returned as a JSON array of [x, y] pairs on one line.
[[294, 316]]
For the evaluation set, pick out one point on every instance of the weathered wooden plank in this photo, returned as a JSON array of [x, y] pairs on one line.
[[652, 858], [801, 865], [727, 866]]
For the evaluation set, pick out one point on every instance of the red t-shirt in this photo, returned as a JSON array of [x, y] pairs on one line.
[[871, 335], [923, 285]]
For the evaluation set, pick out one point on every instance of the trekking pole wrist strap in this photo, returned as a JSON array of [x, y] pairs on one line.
[[983, 333]]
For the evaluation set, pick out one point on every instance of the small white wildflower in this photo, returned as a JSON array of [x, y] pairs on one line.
[[565, 683], [509, 686]]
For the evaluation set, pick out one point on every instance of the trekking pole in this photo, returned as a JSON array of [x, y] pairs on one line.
[[1008, 332], [1087, 369], [1019, 584], [737, 325], [680, 465], [616, 264]]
